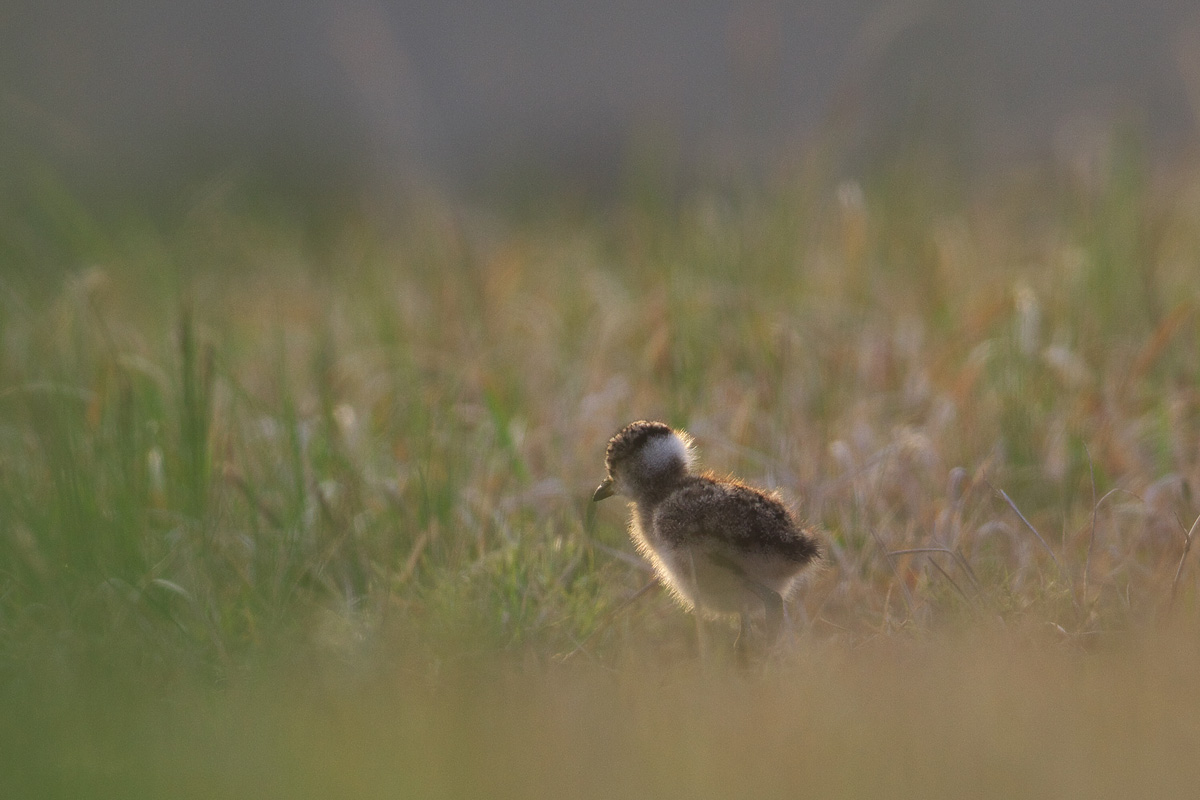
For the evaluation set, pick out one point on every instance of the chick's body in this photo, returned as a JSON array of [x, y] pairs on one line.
[[720, 546]]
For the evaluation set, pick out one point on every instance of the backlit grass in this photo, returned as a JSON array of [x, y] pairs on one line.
[[293, 510]]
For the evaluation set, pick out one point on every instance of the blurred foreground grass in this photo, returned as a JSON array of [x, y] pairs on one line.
[[298, 511], [976, 717]]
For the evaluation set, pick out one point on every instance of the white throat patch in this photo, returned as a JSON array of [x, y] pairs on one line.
[[662, 451]]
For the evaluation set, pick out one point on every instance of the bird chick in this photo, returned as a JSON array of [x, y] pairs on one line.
[[719, 546]]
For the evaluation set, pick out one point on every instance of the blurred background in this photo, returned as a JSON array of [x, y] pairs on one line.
[[147, 97]]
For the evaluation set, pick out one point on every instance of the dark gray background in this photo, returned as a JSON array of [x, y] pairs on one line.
[[149, 93]]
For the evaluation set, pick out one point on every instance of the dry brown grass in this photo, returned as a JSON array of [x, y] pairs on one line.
[[341, 535]]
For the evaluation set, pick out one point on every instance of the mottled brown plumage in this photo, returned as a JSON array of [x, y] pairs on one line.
[[718, 545]]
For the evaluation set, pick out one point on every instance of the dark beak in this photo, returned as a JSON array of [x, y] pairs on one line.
[[603, 490]]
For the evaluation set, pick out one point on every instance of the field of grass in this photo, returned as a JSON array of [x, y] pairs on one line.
[[295, 509]]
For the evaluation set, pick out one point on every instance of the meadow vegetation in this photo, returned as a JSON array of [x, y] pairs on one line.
[[295, 509]]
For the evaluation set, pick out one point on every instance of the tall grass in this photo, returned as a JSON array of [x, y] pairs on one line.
[[283, 513]]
